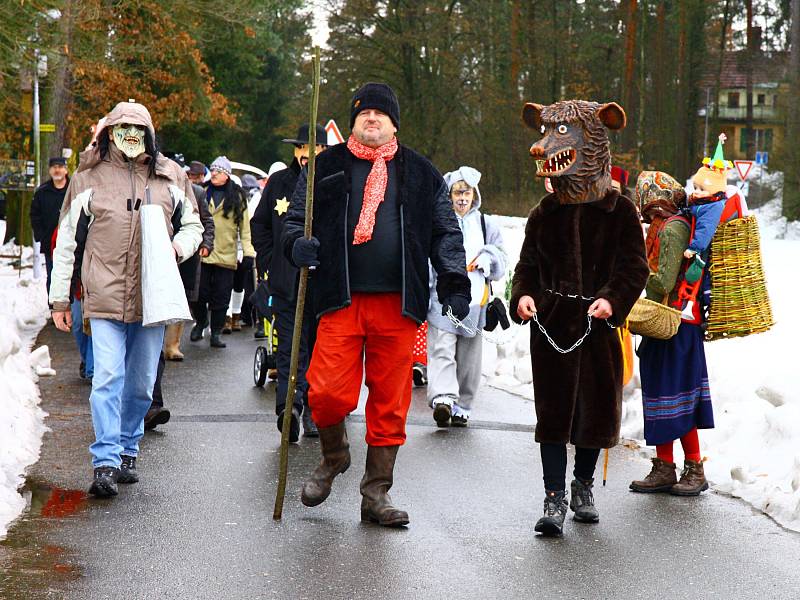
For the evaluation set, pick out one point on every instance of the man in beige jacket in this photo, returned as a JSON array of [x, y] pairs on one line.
[[99, 237]]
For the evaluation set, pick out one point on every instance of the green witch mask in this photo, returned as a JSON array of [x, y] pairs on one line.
[[129, 139]]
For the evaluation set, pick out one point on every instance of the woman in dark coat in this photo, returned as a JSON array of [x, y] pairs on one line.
[[675, 390], [581, 268]]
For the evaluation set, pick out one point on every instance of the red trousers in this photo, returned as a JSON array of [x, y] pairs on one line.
[[370, 333]]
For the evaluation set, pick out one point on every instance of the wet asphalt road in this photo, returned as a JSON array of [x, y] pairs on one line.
[[199, 524]]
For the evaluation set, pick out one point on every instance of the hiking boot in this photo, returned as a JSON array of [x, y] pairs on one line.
[[335, 460], [127, 470], [442, 411], [419, 374], [376, 505], [197, 332], [216, 340], [236, 323], [582, 501], [157, 415], [226, 328], [104, 484], [172, 342], [693, 480], [459, 421], [660, 479], [272, 374], [555, 511], [294, 428], [309, 427]]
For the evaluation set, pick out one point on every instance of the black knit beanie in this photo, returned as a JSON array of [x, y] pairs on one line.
[[378, 96]]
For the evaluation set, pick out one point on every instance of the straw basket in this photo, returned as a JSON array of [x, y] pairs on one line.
[[653, 320], [739, 300]]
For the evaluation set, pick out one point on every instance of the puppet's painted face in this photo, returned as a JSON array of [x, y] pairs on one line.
[[129, 139], [560, 151]]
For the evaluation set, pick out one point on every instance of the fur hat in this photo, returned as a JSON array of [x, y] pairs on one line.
[[378, 96]]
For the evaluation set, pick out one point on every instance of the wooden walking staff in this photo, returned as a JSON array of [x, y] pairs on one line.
[[301, 297]]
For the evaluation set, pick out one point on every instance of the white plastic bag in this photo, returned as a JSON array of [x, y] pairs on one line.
[[163, 297]]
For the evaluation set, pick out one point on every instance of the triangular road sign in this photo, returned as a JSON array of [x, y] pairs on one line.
[[334, 135], [743, 168]]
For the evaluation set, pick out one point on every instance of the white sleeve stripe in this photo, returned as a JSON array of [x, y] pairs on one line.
[[64, 252]]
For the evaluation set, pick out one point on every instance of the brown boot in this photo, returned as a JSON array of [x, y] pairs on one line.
[[693, 480], [227, 327], [236, 323], [376, 505], [335, 460], [660, 479], [172, 341]]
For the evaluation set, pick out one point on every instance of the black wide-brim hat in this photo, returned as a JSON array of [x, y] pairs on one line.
[[302, 136]]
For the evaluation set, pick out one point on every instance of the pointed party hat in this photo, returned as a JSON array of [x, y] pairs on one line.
[[718, 162]]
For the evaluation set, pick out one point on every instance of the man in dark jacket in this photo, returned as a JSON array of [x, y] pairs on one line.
[[266, 228], [45, 208], [381, 211]]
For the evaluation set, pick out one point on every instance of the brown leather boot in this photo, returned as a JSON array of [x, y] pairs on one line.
[[172, 341], [226, 328], [376, 505], [660, 479], [335, 460], [236, 322], [693, 480]]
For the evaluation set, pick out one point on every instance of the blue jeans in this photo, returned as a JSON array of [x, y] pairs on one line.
[[125, 363], [84, 341]]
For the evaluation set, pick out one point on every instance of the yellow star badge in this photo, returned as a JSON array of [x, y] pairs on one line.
[[281, 206]]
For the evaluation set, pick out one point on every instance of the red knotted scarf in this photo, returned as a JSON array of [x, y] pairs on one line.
[[375, 187]]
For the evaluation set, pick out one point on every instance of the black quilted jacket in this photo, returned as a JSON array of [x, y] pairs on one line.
[[430, 231]]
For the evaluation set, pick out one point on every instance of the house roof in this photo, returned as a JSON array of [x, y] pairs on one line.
[[767, 68]]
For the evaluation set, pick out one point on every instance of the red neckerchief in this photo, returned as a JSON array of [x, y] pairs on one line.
[[375, 187]]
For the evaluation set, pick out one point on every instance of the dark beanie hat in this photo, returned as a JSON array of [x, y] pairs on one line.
[[378, 96], [57, 160]]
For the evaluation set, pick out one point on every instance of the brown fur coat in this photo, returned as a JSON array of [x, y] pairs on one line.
[[594, 249]]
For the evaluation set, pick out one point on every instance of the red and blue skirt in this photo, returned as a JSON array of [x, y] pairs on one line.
[[675, 390]]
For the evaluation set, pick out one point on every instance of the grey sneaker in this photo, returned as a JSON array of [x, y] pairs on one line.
[[582, 502]]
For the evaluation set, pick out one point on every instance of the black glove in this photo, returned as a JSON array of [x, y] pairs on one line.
[[247, 263], [305, 253], [460, 305]]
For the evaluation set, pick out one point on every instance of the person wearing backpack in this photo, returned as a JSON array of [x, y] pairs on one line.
[[675, 386], [454, 353]]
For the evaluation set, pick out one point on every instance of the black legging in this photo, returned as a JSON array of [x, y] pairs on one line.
[[554, 465]]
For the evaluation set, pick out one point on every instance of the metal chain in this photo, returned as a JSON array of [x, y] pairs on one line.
[[474, 330], [556, 346]]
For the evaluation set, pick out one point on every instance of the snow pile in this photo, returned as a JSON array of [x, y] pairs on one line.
[[754, 451], [23, 312]]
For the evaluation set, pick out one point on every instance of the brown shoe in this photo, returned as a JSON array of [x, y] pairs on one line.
[[660, 479], [236, 322], [172, 341], [335, 460], [693, 480], [227, 327], [376, 505]]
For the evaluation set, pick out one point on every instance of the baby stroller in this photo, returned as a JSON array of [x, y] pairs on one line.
[[265, 357]]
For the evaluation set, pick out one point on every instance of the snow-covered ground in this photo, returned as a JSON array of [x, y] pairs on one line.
[[23, 312], [754, 451]]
